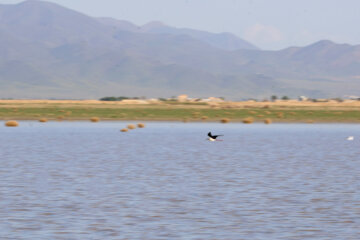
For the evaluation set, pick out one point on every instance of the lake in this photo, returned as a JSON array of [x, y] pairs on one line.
[[83, 180]]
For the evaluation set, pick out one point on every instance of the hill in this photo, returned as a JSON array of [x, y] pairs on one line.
[[48, 51]]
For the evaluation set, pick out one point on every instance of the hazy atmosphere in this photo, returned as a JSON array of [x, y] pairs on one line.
[[270, 25], [152, 49], [179, 119]]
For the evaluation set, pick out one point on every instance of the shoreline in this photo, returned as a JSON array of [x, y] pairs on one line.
[[236, 112], [274, 121]]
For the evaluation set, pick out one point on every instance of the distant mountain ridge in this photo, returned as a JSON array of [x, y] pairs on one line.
[[48, 51], [225, 41]]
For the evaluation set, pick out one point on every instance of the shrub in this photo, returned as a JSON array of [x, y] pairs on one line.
[[117, 98], [280, 115], [94, 119], [11, 124], [225, 120], [248, 120], [108, 99], [267, 121]]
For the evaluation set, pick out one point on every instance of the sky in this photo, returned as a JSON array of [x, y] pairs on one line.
[[268, 24]]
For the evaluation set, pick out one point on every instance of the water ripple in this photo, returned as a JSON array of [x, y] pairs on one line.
[[74, 180]]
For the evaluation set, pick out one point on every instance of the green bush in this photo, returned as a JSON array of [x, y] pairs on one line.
[[116, 98]]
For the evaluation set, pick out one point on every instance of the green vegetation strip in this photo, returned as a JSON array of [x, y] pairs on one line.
[[178, 114]]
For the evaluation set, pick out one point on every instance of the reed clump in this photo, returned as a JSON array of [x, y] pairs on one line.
[[11, 124], [248, 120], [225, 120], [124, 130], [94, 119], [43, 120], [204, 118], [280, 115], [141, 125], [131, 126], [267, 121]]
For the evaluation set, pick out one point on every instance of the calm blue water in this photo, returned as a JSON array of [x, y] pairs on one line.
[[80, 180]]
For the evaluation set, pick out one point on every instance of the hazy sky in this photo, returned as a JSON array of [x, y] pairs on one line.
[[269, 24]]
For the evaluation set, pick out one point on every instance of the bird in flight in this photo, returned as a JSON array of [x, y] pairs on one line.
[[212, 138]]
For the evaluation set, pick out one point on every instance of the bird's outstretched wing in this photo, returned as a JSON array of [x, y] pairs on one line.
[[213, 136]]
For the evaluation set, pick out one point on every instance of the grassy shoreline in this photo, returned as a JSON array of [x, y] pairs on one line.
[[234, 112]]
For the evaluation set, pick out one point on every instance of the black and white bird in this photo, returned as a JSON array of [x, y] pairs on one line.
[[212, 138]]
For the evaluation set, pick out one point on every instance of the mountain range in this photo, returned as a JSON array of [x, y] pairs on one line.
[[49, 51]]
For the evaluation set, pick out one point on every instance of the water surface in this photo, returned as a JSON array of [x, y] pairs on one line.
[[80, 180]]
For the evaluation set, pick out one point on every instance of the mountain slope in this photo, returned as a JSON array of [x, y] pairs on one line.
[[49, 51], [224, 41]]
